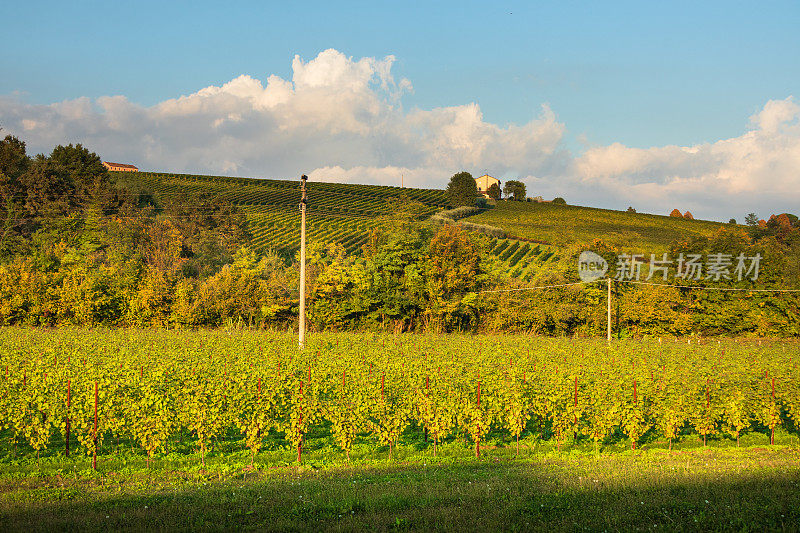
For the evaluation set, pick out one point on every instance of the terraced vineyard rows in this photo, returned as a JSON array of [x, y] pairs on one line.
[[523, 260], [280, 228], [337, 212]]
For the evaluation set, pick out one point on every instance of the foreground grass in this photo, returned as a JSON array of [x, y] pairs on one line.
[[694, 488]]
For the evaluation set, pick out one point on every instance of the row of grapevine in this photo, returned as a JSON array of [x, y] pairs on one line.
[[341, 213], [523, 260], [280, 229], [151, 387], [247, 191]]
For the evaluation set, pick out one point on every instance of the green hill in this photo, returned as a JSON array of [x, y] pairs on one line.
[[560, 225], [344, 213], [337, 212]]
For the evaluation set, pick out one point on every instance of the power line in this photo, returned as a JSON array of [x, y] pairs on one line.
[[541, 287], [639, 283], [706, 288]]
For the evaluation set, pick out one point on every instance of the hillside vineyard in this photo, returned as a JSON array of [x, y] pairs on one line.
[[338, 212]]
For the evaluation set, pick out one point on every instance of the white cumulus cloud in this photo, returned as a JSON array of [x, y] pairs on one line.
[[760, 168], [341, 119]]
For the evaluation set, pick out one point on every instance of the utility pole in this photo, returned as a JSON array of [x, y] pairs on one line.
[[303, 202], [608, 327]]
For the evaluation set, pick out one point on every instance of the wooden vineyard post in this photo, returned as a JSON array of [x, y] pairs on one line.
[[66, 428], [633, 444], [94, 453], [299, 429], [575, 403], [708, 406], [427, 393], [772, 429], [477, 435], [575, 411]]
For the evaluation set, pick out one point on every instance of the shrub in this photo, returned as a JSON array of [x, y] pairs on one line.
[[492, 231], [458, 213], [559, 201]]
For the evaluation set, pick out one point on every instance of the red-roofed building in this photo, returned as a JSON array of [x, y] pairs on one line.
[[120, 167]]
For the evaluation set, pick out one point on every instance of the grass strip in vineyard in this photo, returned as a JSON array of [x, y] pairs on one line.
[[698, 490]]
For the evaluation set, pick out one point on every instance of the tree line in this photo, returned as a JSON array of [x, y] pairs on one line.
[[78, 248]]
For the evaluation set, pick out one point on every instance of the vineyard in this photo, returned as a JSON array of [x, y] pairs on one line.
[[82, 390], [560, 225], [345, 213], [522, 260], [337, 212]]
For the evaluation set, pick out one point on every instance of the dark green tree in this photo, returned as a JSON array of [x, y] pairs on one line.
[[494, 191], [462, 189], [13, 159], [559, 201], [48, 188], [13, 163], [515, 190], [90, 180], [751, 219]]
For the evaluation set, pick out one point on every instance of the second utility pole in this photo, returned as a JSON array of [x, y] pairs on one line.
[[302, 339], [608, 327]]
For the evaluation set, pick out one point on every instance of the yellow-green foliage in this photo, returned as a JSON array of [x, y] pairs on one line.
[[156, 385]]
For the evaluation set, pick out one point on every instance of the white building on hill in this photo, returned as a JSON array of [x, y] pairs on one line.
[[484, 182]]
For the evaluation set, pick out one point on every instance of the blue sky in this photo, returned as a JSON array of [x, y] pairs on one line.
[[641, 74]]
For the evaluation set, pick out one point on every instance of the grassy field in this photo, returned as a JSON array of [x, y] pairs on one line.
[[562, 225], [752, 488]]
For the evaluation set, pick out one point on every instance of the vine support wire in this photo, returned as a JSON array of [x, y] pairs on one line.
[[636, 282]]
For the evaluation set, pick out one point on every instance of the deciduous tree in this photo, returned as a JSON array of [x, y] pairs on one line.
[[494, 192], [462, 189], [515, 190]]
